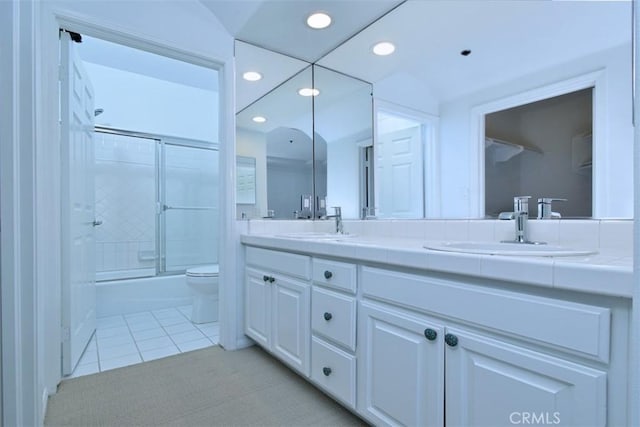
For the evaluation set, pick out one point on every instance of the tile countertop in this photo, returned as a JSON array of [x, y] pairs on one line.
[[605, 273]]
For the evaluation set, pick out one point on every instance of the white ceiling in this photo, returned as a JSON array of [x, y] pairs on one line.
[[508, 39], [280, 25]]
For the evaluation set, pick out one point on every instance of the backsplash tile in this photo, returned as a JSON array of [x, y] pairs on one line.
[[590, 234], [544, 230], [580, 233], [617, 234]]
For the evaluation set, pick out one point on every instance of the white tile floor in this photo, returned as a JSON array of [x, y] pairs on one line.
[[135, 338]]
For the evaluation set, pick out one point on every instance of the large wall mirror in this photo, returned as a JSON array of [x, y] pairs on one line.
[[508, 98], [309, 136], [494, 74]]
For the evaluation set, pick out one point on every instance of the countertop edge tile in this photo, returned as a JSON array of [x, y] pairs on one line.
[[582, 274]]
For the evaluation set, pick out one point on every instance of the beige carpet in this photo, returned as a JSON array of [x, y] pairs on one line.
[[209, 387]]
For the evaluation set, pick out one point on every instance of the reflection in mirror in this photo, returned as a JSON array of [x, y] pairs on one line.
[[282, 145], [554, 43], [405, 163], [541, 149], [272, 69], [245, 180], [343, 129]]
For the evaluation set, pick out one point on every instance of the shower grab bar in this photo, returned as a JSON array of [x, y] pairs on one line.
[[188, 208]]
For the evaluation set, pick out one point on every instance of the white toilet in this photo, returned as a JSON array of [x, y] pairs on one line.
[[203, 283]]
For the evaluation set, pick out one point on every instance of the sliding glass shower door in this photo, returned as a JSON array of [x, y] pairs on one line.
[[189, 199], [156, 204]]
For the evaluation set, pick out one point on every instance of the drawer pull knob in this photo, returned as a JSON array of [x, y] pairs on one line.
[[272, 279], [265, 278], [326, 371], [328, 274], [451, 340], [430, 334], [327, 316]]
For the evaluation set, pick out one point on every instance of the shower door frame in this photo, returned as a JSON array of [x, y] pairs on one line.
[[160, 141], [161, 199]]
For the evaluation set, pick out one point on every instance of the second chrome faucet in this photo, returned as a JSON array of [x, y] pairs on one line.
[[520, 215]]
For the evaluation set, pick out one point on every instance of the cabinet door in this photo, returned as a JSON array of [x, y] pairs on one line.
[[400, 370], [257, 296], [492, 383], [291, 329]]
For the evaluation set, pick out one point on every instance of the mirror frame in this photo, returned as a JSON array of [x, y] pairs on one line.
[[601, 174]]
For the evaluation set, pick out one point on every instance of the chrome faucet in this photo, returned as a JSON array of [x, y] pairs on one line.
[[544, 208], [521, 216], [338, 216]]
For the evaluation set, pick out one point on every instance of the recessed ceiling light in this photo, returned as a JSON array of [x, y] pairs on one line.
[[384, 48], [307, 91], [259, 119], [318, 20], [252, 76]]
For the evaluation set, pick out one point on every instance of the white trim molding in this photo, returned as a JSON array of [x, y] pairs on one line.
[[21, 373], [595, 80]]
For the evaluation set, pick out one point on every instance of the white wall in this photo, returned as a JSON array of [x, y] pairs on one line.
[[343, 177], [288, 179], [460, 189], [178, 28], [141, 103]]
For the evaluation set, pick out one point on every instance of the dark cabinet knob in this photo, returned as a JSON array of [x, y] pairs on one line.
[[265, 278], [326, 371], [272, 279], [430, 334], [327, 316], [451, 340], [328, 274]]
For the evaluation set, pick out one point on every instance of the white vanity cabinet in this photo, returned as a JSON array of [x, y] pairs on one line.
[[426, 354], [404, 346], [277, 304], [490, 382], [333, 325]]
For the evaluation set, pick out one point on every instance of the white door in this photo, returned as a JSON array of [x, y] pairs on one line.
[[399, 175], [77, 190], [491, 383]]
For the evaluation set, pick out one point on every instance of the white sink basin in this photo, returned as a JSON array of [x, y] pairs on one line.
[[512, 249], [313, 235]]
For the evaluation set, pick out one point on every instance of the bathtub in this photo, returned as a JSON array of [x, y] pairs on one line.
[[115, 297]]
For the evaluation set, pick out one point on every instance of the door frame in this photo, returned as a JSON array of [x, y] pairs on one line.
[[30, 188], [137, 41], [594, 80], [430, 126]]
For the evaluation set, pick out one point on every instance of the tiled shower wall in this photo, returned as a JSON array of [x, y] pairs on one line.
[[125, 183]]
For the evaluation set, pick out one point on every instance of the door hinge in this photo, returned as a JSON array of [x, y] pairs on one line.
[[66, 334]]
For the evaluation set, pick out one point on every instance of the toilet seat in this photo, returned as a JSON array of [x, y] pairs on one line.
[[204, 271]]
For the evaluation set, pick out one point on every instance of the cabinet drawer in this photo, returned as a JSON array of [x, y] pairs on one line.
[[334, 274], [334, 370], [580, 328], [292, 264], [333, 315]]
